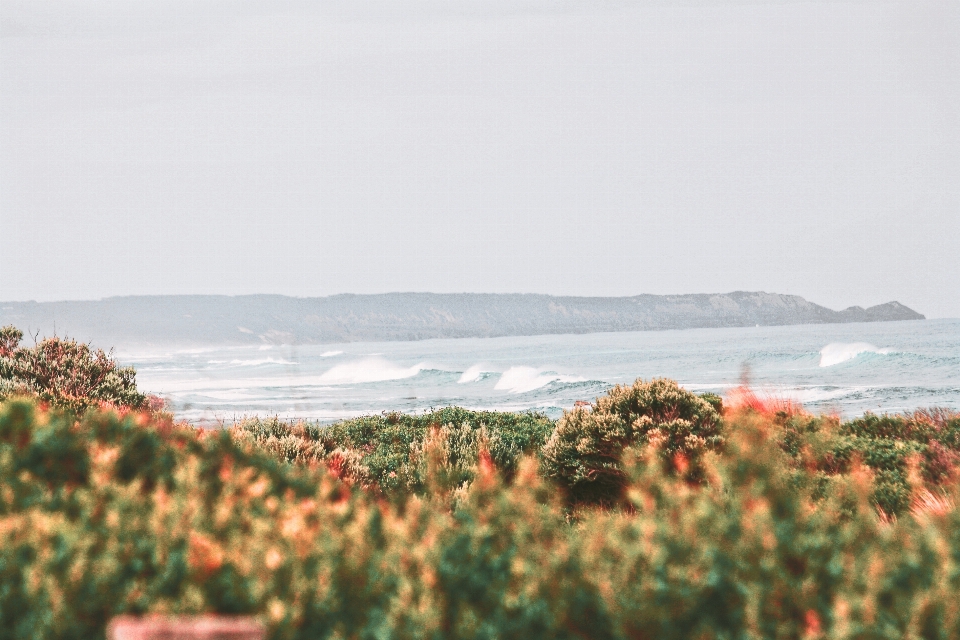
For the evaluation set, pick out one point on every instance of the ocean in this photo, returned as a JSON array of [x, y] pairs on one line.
[[843, 368]]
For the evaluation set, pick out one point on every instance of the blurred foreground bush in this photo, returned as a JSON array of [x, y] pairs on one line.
[[114, 515]]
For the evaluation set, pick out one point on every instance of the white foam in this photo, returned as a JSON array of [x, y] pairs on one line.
[[196, 351], [812, 395], [330, 354], [699, 387], [176, 385], [523, 379], [368, 370], [212, 416], [233, 395], [471, 375], [837, 352], [251, 363]]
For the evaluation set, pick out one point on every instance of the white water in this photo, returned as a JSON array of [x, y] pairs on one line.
[[368, 370], [837, 352], [849, 369], [523, 379], [472, 374]]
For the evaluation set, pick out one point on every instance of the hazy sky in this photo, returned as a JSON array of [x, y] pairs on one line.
[[601, 147]]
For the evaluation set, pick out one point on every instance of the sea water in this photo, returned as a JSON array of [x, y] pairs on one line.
[[843, 368]]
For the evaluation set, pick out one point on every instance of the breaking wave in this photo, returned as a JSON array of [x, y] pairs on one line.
[[523, 379], [472, 374], [368, 370], [837, 352]]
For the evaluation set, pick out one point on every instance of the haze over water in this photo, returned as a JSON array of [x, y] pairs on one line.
[[850, 369]]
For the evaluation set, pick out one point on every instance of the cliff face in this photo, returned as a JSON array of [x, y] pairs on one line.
[[411, 316]]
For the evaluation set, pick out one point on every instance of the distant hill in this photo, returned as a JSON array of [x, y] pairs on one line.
[[218, 320]]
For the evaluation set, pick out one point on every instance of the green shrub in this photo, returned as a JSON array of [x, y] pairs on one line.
[[386, 452], [65, 373], [714, 400], [584, 453]]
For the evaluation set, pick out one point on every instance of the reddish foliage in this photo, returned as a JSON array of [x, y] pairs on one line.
[[204, 555], [744, 398], [813, 624], [335, 464]]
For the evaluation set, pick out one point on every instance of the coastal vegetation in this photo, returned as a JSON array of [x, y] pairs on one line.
[[65, 374], [386, 454], [584, 454], [652, 513]]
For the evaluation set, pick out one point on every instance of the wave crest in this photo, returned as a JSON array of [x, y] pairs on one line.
[[368, 370], [837, 352], [523, 379], [472, 374]]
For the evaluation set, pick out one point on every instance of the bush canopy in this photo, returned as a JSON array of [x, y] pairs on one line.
[[584, 455], [66, 374]]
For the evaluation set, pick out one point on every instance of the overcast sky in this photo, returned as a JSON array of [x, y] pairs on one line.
[[584, 148]]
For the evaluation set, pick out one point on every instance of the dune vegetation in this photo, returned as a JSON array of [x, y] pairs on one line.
[[66, 374], [652, 513]]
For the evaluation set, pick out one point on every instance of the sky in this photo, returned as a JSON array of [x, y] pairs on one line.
[[602, 147]]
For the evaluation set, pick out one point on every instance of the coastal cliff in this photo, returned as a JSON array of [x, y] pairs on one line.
[[249, 319]]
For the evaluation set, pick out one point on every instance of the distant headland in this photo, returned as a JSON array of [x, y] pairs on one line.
[[219, 320]]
